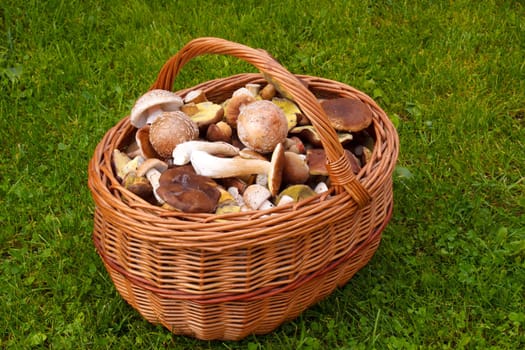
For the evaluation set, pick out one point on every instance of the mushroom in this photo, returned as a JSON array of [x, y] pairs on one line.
[[363, 153], [186, 191], [254, 88], [294, 144], [170, 129], [152, 169], [119, 160], [255, 196], [251, 154], [240, 97], [220, 131], [347, 114], [321, 187], [268, 92], [195, 96], [182, 152], [189, 109], [296, 193], [234, 182], [311, 136], [290, 109], [236, 194], [215, 167], [207, 113], [296, 169], [123, 164], [308, 133], [316, 160], [262, 125], [227, 203], [150, 105], [144, 145], [138, 185]]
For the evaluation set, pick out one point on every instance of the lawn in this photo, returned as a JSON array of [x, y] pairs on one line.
[[450, 271]]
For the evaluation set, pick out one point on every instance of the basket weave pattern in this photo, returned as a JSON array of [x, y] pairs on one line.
[[228, 276]]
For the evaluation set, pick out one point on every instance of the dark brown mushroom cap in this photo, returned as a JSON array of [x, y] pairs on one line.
[[347, 114], [186, 191], [316, 160]]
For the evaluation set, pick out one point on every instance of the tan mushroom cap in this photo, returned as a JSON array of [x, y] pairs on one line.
[[347, 114], [275, 175], [186, 191], [262, 125], [240, 97], [171, 129], [156, 99]]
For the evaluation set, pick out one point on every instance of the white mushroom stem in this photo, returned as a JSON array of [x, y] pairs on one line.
[[183, 151], [234, 192], [321, 187], [206, 164], [256, 196], [153, 175], [152, 169], [266, 205], [285, 200]]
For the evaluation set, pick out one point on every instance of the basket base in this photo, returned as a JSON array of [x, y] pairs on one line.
[[235, 318]]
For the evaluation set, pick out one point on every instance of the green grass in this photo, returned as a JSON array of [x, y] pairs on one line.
[[450, 272]]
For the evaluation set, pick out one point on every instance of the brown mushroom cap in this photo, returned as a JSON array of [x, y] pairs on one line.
[[232, 108], [316, 160], [170, 129], [296, 169], [347, 114], [262, 125], [186, 191], [163, 100], [220, 131], [143, 143]]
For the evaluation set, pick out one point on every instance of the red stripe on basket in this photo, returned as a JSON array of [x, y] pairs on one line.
[[255, 295]]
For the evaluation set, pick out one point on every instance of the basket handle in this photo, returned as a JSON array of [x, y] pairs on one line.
[[338, 165]]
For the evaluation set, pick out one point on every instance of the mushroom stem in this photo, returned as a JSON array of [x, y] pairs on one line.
[[215, 167], [152, 169], [182, 152], [153, 175]]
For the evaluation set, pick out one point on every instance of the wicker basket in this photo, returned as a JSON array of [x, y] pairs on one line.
[[225, 277]]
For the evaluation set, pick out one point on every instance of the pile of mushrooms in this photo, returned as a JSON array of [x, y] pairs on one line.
[[253, 151]]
